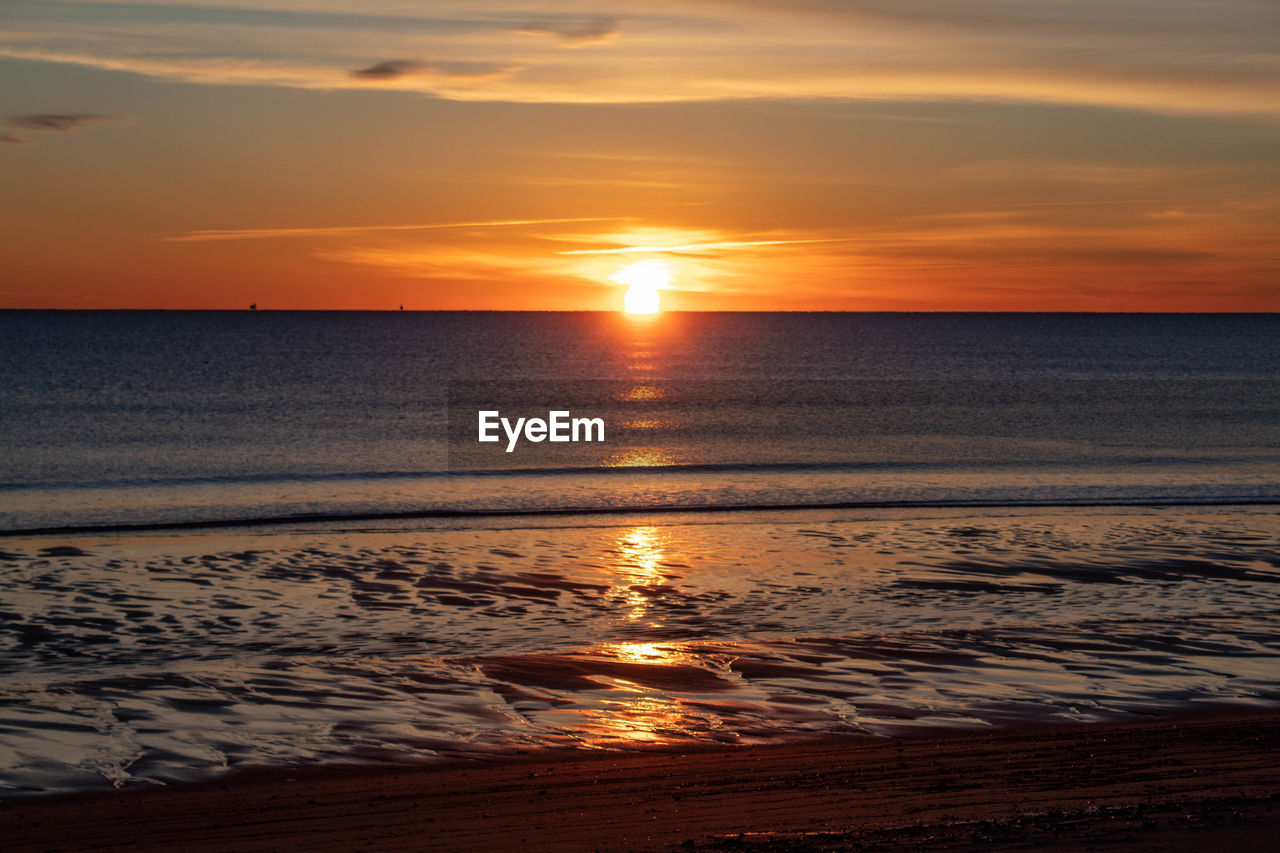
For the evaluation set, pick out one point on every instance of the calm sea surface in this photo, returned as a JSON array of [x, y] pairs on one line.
[[140, 418], [235, 539]]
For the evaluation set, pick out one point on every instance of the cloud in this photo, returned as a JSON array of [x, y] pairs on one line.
[[399, 69], [1026, 170], [699, 247], [55, 122], [60, 122], [269, 233], [594, 31], [458, 264], [1179, 56], [392, 69]]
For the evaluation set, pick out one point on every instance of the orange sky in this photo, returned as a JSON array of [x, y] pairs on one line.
[[853, 155]]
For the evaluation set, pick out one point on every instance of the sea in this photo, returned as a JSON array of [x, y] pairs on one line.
[[235, 540]]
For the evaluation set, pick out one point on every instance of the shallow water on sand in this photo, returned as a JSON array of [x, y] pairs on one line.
[[162, 657]]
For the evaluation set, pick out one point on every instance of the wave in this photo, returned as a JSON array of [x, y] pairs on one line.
[[457, 473], [650, 509], [613, 470]]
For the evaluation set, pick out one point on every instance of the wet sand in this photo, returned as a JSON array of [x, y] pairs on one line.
[[138, 659], [1175, 784]]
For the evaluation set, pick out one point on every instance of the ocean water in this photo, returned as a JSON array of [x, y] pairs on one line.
[[151, 418], [231, 539]]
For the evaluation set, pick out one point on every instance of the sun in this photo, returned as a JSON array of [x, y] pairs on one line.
[[643, 280]]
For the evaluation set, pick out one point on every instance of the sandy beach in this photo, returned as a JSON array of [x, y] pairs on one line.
[[1176, 784]]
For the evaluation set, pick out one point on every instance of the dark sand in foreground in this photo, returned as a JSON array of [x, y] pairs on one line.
[[1183, 784]]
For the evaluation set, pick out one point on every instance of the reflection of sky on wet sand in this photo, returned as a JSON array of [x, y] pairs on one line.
[[640, 714], [640, 550], [635, 715], [655, 694], [320, 646], [642, 720], [646, 652]]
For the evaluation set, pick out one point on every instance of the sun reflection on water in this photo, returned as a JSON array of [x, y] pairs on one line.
[[640, 551], [643, 714], [640, 393], [645, 719], [646, 458], [645, 653], [647, 423]]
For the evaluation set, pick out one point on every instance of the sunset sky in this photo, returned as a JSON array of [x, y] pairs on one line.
[[516, 154]]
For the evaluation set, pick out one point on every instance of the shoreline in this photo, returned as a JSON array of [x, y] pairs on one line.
[[1176, 783], [320, 522]]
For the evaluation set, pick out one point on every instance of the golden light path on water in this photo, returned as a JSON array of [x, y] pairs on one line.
[[642, 393], [640, 553], [639, 359], [644, 427], [642, 714], [640, 459], [639, 714]]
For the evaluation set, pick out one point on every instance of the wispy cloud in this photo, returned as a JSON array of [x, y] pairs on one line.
[[55, 122], [392, 69], [593, 31], [60, 122], [340, 230], [698, 247], [1175, 56], [433, 262], [399, 69], [1023, 171]]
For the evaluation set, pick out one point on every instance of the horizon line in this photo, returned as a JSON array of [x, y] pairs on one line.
[[646, 318]]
